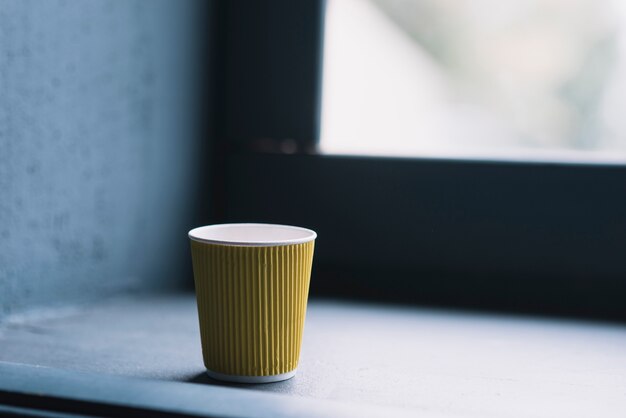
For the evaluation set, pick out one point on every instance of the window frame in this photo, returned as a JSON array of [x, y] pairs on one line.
[[540, 237]]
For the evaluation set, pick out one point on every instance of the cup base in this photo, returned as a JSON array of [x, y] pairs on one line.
[[234, 378]]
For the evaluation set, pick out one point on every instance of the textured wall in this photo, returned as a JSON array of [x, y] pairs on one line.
[[99, 147]]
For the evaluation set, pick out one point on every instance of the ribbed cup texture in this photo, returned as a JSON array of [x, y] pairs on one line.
[[251, 306]]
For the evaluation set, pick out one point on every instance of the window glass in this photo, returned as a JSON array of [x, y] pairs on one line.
[[512, 79]]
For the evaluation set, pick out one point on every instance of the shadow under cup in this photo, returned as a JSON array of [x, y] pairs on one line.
[[252, 285]]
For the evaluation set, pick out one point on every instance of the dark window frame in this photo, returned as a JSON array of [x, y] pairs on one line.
[[542, 237]]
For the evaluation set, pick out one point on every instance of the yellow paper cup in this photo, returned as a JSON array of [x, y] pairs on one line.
[[252, 285]]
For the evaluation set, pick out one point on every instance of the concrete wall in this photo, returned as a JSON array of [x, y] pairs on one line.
[[101, 158]]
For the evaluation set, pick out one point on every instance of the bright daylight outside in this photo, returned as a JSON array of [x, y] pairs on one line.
[[511, 79]]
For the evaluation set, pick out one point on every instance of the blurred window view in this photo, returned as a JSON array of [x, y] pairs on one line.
[[512, 79]]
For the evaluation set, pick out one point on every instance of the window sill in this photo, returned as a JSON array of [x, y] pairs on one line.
[[361, 358]]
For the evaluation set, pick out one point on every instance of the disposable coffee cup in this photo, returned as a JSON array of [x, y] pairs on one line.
[[252, 286]]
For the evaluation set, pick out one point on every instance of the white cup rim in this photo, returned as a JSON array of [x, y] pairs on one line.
[[252, 234]]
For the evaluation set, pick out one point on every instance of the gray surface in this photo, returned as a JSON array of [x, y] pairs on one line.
[[100, 391], [432, 362], [98, 146]]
